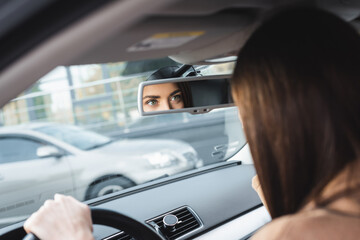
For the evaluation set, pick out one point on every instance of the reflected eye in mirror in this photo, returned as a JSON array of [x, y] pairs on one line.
[[199, 94], [176, 100], [151, 102], [161, 97]]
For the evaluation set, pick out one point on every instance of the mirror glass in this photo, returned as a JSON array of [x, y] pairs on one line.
[[190, 94]]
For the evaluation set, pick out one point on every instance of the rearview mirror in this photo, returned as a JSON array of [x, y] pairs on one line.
[[195, 95]]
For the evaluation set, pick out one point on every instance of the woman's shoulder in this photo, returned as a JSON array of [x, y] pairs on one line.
[[280, 228], [315, 224]]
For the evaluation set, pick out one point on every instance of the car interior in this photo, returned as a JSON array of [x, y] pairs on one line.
[[182, 174]]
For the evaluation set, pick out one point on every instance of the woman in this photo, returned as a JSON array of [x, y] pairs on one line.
[[296, 85], [166, 96]]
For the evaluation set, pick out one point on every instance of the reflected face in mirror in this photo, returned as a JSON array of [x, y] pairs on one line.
[[194, 95], [160, 97]]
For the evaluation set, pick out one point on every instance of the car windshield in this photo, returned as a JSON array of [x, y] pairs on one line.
[[99, 143], [77, 137]]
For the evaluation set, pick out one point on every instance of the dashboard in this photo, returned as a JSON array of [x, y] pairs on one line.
[[220, 198]]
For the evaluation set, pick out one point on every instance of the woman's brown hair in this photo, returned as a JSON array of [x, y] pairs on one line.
[[297, 87]]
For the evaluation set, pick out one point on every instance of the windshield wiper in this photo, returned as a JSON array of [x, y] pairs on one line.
[[98, 145]]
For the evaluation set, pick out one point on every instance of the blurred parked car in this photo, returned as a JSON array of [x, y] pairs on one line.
[[50, 158]]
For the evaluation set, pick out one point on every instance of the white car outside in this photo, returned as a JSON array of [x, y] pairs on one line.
[[54, 158]]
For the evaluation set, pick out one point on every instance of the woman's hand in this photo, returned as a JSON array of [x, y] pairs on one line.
[[256, 186], [61, 218]]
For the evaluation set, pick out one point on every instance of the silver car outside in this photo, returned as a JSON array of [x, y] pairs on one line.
[[60, 167]]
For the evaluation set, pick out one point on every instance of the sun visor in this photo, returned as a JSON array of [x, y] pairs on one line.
[[187, 39]]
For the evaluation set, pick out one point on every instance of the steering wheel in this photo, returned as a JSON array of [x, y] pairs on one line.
[[136, 229]]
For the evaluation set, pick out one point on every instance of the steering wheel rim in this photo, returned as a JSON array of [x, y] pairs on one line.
[[134, 228]]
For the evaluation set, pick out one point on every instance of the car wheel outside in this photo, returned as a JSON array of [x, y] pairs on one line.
[[108, 186]]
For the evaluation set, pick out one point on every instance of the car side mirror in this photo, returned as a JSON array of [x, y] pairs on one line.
[[48, 151], [196, 95]]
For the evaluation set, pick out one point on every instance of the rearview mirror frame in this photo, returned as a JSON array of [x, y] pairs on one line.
[[191, 110]]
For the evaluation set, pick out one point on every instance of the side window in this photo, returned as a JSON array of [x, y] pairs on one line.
[[15, 149]]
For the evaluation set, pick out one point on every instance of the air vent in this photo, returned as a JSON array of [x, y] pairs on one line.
[[188, 221], [119, 236]]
